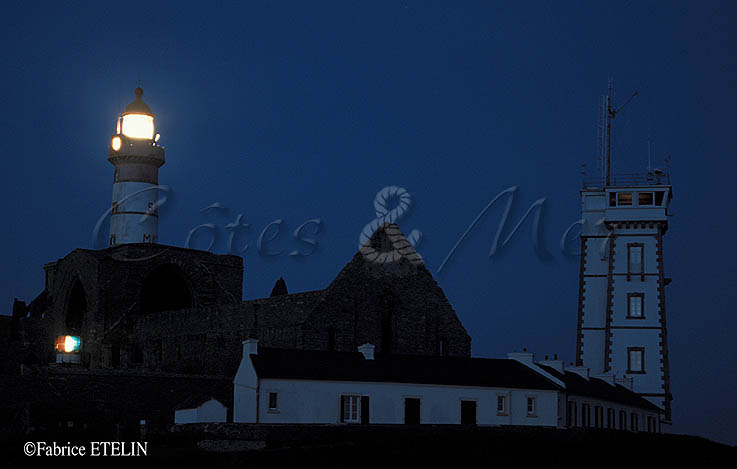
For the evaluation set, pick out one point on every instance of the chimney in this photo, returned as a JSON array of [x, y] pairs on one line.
[[581, 371], [608, 378], [367, 350], [624, 381], [524, 357], [250, 347], [555, 364]]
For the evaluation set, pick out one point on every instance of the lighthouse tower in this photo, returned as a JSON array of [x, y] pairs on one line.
[[136, 157], [621, 309]]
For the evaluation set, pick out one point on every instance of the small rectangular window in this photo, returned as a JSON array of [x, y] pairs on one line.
[[624, 198], [501, 404], [634, 425], [610, 419], [531, 406], [635, 360], [622, 420], [351, 408], [634, 258], [644, 198], [273, 401], [612, 199], [634, 305]]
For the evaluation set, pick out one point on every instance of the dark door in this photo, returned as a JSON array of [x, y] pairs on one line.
[[365, 410], [468, 412], [411, 410]]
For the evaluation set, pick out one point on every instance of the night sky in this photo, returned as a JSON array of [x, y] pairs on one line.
[[305, 110]]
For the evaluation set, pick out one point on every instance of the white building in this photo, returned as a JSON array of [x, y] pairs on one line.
[[319, 387], [200, 411], [622, 317]]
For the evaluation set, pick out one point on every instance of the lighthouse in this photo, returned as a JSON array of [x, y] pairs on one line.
[[137, 157]]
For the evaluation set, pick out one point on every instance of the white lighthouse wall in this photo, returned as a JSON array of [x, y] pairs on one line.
[[134, 218]]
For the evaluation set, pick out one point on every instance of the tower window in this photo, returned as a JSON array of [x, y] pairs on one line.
[[635, 303], [531, 405], [644, 198], [624, 198], [635, 359], [634, 258], [659, 198]]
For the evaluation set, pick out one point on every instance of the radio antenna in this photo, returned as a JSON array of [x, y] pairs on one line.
[[607, 112]]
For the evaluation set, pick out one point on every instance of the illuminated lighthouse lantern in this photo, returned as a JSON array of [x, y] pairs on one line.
[[137, 157]]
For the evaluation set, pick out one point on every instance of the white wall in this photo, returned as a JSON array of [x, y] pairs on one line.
[[210, 411], [593, 402], [319, 402]]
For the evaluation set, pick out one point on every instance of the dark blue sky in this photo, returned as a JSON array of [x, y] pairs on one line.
[[305, 110]]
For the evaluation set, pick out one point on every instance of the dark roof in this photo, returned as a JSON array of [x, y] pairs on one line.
[[600, 389], [351, 366], [138, 106]]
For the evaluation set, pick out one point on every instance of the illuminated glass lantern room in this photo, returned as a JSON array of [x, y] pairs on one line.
[[138, 120]]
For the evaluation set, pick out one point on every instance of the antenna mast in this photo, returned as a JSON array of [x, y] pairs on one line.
[[607, 112]]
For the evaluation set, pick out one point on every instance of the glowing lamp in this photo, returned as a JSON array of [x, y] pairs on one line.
[[116, 143], [138, 120], [138, 126], [68, 343]]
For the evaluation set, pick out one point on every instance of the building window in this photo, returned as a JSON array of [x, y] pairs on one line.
[[635, 302], [624, 198], [443, 348], [501, 405], [610, 423], [572, 417], [622, 420], [351, 406], [651, 424], [468, 412], [635, 359], [411, 410], [612, 199], [598, 417], [634, 258], [634, 424], [531, 406], [273, 401], [644, 198]]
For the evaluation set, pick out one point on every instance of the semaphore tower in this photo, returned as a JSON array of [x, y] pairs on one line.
[[622, 305]]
